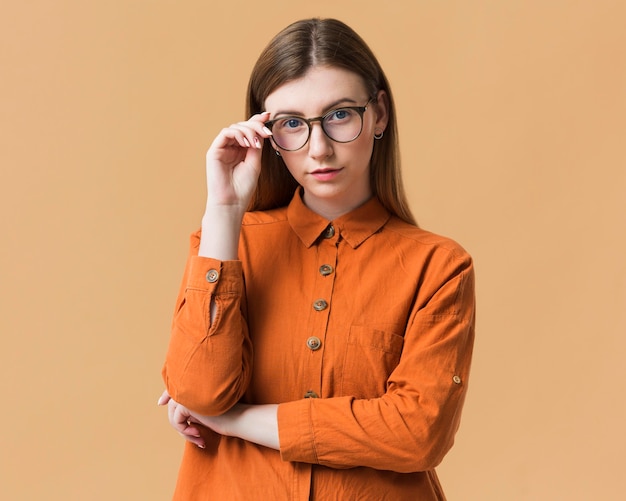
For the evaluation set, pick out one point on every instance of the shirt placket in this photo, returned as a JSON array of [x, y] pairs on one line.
[[320, 304]]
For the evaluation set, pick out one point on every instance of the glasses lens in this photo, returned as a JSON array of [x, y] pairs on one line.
[[290, 133], [343, 125]]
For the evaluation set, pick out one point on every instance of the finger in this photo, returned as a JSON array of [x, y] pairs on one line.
[[259, 120], [191, 433], [262, 117], [171, 409], [181, 420], [164, 398], [234, 135], [197, 441], [251, 133], [229, 140], [262, 130], [256, 124], [248, 135]]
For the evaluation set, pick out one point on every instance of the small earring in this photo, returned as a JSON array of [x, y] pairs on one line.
[[277, 153], [379, 135]]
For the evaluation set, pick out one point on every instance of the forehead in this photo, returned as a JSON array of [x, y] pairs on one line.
[[319, 87]]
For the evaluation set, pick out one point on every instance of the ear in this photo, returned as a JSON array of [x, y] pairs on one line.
[[381, 108]]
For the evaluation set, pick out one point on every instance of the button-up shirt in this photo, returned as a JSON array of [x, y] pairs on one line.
[[361, 329]]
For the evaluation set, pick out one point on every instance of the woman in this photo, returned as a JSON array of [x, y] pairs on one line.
[[321, 342]]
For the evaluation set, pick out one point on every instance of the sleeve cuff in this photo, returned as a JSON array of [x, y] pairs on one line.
[[220, 277], [295, 431]]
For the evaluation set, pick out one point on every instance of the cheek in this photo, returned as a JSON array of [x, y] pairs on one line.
[[291, 164], [363, 150]]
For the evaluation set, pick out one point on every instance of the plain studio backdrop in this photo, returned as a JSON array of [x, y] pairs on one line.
[[512, 120]]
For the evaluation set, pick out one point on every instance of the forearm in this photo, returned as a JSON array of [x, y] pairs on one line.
[[220, 232], [254, 423], [208, 362]]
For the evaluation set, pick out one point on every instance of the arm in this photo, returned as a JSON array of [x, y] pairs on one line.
[[412, 426], [207, 366]]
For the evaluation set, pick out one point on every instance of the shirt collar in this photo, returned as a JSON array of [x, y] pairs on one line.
[[354, 227]]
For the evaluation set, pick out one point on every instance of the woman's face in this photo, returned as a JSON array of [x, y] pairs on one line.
[[335, 176]]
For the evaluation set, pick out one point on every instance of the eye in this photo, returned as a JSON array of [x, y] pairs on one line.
[[340, 115], [290, 124]]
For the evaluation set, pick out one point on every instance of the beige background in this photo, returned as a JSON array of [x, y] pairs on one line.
[[513, 126]]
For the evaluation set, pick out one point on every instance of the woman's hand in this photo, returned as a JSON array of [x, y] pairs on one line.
[[186, 422], [233, 162], [182, 420]]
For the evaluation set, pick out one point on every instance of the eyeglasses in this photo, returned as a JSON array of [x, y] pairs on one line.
[[342, 125]]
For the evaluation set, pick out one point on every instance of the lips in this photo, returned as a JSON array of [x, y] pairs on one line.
[[325, 174]]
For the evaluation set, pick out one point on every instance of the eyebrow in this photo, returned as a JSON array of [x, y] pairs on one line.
[[329, 107]]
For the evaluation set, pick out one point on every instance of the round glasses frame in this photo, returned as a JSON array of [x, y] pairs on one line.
[[309, 122]]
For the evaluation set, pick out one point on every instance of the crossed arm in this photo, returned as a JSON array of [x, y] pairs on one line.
[[254, 423]]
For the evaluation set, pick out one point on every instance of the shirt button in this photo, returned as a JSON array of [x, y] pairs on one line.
[[314, 343], [329, 232], [212, 276], [311, 394], [326, 269], [320, 305], [456, 379]]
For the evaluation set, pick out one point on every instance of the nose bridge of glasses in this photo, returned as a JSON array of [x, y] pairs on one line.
[[311, 121], [320, 120]]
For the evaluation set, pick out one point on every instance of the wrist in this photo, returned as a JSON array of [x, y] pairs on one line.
[[221, 226], [255, 423], [228, 212]]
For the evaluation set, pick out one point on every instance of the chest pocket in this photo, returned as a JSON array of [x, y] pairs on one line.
[[371, 356]]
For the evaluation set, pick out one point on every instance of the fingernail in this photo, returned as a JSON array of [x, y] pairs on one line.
[[257, 143], [246, 142], [267, 131], [201, 446]]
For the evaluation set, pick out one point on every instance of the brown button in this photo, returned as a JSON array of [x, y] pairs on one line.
[[326, 269], [329, 232], [456, 379], [311, 394], [212, 276], [314, 343], [320, 305]]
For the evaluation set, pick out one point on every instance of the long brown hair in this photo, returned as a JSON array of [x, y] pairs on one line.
[[288, 56]]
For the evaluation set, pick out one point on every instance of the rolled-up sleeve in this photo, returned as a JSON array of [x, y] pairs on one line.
[[207, 366]]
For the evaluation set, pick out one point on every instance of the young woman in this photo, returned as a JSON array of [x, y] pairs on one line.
[[321, 341]]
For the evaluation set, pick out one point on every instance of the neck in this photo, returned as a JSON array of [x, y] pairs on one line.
[[332, 209]]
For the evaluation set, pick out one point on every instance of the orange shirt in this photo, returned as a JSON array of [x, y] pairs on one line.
[[361, 329]]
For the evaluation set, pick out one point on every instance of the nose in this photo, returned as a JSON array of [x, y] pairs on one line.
[[319, 143]]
